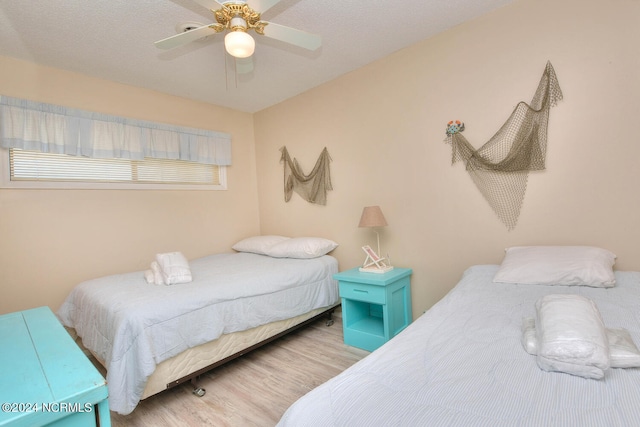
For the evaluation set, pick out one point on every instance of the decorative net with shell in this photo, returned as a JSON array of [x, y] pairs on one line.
[[500, 168]]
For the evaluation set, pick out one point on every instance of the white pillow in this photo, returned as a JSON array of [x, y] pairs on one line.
[[258, 244], [557, 265], [302, 247]]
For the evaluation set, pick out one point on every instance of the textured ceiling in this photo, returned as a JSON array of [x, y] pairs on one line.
[[114, 39]]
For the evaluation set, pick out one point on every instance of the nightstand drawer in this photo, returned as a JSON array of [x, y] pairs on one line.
[[360, 292]]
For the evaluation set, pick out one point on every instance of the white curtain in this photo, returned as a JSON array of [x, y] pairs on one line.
[[48, 128]]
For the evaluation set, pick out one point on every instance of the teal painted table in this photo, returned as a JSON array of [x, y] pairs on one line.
[[375, 307], [45, 379]]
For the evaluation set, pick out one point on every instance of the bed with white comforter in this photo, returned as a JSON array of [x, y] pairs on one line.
[[132, 325], [462, 363]]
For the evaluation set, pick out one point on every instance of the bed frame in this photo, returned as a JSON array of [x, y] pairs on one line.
[[195, 361]]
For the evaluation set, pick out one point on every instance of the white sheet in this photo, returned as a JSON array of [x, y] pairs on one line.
[[133, 325], [462, 364], [571, 336], [623, 352]]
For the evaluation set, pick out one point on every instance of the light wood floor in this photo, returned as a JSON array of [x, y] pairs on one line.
[[255, 389]]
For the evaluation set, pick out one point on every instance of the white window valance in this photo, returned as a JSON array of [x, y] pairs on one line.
[[49, 128]]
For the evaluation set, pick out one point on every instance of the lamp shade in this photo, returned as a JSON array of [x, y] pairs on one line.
[[239, 44], [372, 217]]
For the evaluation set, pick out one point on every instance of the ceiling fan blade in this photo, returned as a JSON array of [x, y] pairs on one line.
[[186, 37], [209, 4], [261, 6], [293, 36]]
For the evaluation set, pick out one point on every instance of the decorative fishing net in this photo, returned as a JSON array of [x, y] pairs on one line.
[[500, 168], [312, 187]]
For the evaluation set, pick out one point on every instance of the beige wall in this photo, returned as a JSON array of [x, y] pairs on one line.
[[384, 128], [51, 240]]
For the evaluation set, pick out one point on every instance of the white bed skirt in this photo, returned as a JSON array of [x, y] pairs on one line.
[[197, 358]]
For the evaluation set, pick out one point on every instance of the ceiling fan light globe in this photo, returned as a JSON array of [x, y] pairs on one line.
[[239, 44]]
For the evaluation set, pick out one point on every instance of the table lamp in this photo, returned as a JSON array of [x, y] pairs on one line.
[[372, 217]]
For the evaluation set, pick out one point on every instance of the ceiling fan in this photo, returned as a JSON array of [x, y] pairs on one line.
[[238, 18]]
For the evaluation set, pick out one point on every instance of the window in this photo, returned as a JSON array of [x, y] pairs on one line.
[[33, 169], [52, 146]]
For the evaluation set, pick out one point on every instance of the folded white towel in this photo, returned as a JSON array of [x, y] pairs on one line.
[[571, 336], [623, 352], [174, 268], [157, 274], [148, 276]]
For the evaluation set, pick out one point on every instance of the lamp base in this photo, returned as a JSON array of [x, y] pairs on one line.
[[379, 270]]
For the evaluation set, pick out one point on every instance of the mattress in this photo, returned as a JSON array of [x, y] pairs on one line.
[[462, 363], [133, 326]]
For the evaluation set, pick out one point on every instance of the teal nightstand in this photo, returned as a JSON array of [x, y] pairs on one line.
[[375, 307], [46, 378]]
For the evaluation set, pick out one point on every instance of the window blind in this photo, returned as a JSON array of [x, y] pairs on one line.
[[27, 165]]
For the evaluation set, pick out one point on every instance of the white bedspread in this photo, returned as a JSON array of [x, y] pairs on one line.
[[462, 364], [133, 325]]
